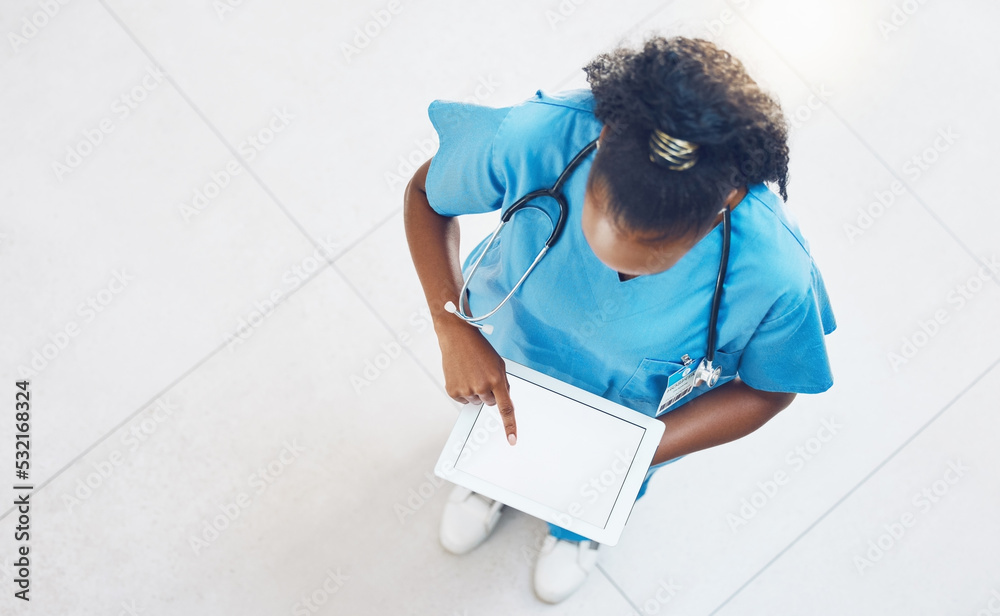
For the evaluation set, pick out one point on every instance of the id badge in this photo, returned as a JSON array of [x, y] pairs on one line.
[[679, 384]]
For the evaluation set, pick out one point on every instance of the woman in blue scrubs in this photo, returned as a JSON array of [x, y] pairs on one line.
[[625, 293]]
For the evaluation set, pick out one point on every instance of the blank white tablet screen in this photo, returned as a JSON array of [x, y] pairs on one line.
[[569, 456]]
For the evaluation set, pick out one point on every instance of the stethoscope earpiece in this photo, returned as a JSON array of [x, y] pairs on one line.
[[523, 203], [485, 328]]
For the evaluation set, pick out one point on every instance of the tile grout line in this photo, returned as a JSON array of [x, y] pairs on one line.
[[274, 198], [624, 35], [378, 225], [618, 588], [378, 317], [211, 127], [190, 370], [871, 150], [156, 397], [259, 181], [329, 260], [875, 470], [569, 78], [331, 263], [920, 201], [267, 190]]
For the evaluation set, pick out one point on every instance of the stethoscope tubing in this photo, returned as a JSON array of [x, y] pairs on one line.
[[557, 229], [719, 283], [522, 203]]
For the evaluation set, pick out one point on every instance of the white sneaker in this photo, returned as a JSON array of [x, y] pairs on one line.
[[467, 520], [562, 567]]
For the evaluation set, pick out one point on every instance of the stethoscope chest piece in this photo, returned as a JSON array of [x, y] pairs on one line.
[[705, 374]]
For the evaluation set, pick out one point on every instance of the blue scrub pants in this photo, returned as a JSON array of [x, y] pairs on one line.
[[561, 533]]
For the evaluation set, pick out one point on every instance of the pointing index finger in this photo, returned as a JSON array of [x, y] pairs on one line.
[[506, 408]]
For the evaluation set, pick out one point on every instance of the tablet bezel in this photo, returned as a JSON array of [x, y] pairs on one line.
[[636, 474]]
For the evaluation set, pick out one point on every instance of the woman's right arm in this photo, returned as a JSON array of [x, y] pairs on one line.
[[473, 371]]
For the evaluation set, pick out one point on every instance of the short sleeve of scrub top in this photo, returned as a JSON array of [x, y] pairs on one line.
[[462, 177], [573, 318]]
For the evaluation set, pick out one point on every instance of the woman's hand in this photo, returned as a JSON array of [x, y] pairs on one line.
[[474, 373]]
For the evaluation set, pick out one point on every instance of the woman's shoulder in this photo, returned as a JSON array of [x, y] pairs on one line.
[[544, 132], [546, 118], [776, 245], [781, 221]]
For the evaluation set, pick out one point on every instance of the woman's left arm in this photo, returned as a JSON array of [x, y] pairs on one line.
[[724, 414]]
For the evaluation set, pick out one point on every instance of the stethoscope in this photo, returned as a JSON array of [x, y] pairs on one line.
[[704, 373]]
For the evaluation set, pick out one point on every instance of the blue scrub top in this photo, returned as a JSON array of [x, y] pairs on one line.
[[573, 318]]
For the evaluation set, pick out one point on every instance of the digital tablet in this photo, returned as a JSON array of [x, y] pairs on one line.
[[579, 460]]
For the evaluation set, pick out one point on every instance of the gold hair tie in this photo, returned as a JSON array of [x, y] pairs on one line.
[[678, 153]]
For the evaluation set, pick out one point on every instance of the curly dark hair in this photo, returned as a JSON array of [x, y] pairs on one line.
[[692, 90]]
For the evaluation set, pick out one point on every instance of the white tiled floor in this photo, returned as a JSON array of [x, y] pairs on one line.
[[163, 401]]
